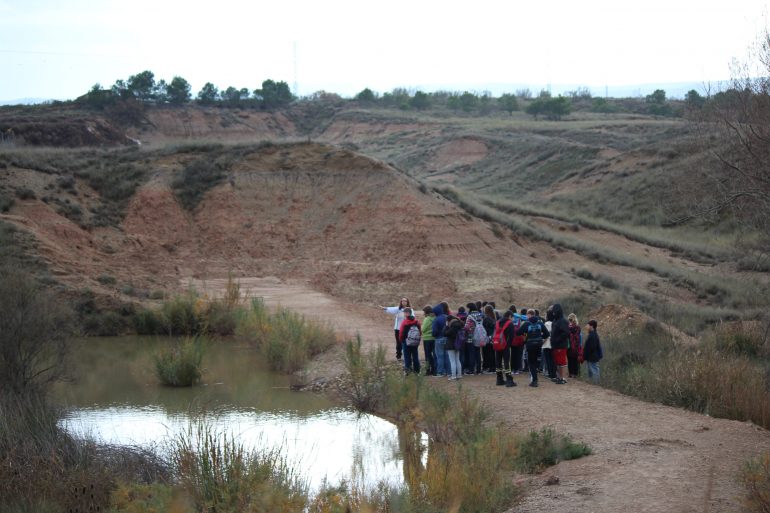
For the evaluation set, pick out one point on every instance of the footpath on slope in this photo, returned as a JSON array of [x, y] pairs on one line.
[[646, 457]]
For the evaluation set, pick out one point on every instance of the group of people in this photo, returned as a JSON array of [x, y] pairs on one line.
[[479, 339]]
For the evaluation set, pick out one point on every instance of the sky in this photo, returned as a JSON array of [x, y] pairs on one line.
[[60, 49]]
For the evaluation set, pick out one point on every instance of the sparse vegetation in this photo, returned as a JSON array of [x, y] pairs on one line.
[[463, 443], [723, 376], [756, 479], [541, 449]]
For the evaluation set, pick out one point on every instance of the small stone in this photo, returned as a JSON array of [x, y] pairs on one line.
[[552, 480]]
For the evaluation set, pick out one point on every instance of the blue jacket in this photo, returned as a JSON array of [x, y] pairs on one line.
[[439, 323]]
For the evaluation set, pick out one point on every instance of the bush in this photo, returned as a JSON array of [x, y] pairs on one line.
[[24, 193], [367, 376], [182, 315], [702, 378], [756, 479], [180, 365], [147, 322], [6, 202], [286, 339], [34, 328], [106, 279], [104, 324], [541, 449]]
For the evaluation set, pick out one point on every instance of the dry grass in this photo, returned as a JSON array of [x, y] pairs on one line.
[[708, 378], [756, 479]]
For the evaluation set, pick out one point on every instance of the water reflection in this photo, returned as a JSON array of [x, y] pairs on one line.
[[115, 397]]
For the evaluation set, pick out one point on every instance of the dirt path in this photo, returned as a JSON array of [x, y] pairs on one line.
[[647, 457]]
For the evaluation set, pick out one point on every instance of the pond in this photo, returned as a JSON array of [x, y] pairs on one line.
[[115, 397]]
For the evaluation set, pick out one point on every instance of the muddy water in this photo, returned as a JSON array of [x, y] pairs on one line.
[[115, 397]]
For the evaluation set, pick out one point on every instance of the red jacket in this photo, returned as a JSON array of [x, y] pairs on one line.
[[408, 322]]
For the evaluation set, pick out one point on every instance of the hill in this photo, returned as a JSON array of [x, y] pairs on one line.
[[381, 202]]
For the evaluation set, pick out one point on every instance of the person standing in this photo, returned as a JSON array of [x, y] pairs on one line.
[[437, 329], [398, 313], [546, 363], [592, 352], [473, 345], [411, 334], [536, 333], [501, 342], [489, 361], [428, 341], [559, 342], [575, 352], [455, 340]]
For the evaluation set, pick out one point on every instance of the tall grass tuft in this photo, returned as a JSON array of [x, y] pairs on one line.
[[367, 376], [218, 474], [181, 364], [287, 340]]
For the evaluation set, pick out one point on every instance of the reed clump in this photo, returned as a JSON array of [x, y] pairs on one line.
[[181, 365], [287, 340]]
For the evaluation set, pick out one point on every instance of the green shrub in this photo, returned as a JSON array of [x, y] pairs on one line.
[[541, 449], [285, 338], [181, 315], [198, 177], [180, 365], [148, 322], [221, 319]]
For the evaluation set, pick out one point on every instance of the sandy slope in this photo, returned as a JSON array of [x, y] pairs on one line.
[[647, 457]]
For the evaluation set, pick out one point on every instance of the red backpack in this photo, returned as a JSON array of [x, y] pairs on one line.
[[498, 341], [518, 340]]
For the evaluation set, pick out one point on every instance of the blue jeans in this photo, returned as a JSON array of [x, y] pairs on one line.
[[455, 366], [442, 363], [412, 358], [593, 371]]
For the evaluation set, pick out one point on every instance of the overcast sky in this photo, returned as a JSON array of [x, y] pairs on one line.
[[58, 49]]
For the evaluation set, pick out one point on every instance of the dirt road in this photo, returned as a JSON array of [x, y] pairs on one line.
[[646, 457]]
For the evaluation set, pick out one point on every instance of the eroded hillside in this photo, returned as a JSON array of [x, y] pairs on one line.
[[453, 208]]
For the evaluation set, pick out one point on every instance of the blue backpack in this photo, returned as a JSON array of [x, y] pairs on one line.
[[535, 332]]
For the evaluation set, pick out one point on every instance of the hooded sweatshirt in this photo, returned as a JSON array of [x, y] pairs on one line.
[[427, 328], [538, 336], [559, 329], [439, 323]]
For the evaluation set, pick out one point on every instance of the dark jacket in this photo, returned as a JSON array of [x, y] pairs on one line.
[[408, 322], [509, 332], [559, 329], [592, 350], [489, 325], [439, 323], [575, 345], [538, 336], [451, 331]]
